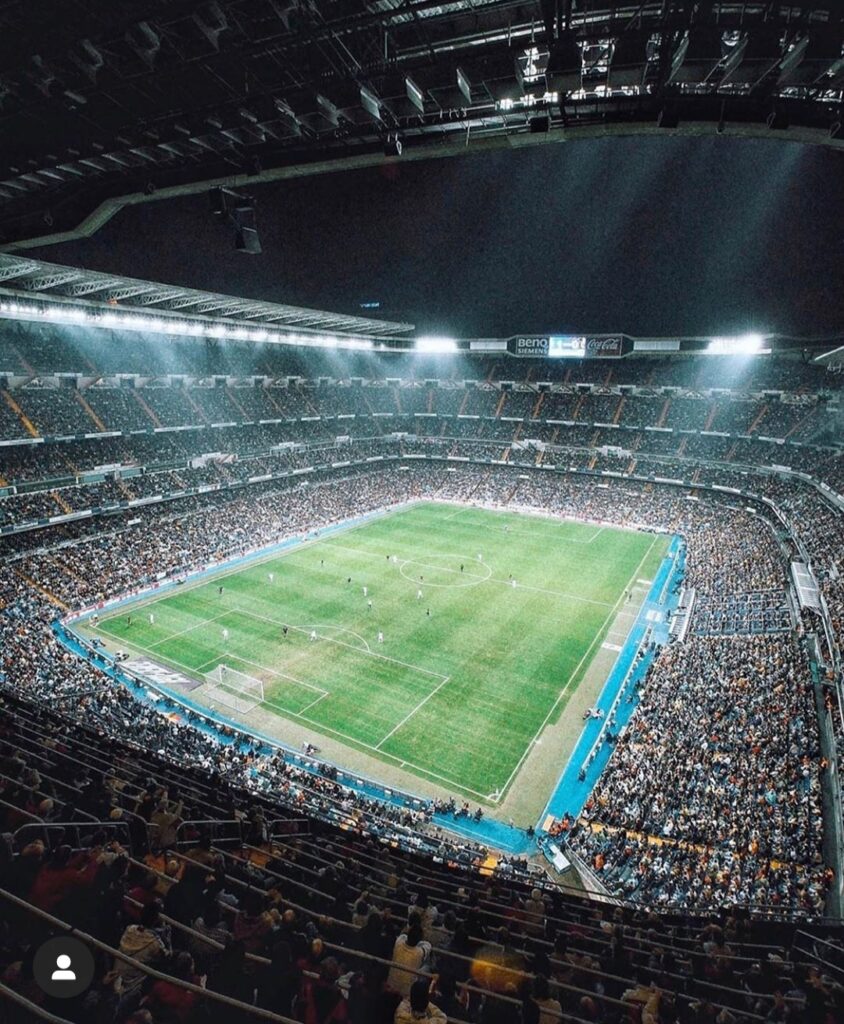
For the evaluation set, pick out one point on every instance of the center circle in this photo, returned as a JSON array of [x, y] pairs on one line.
[[470, 577]]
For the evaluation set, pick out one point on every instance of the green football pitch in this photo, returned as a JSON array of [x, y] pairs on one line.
[[465, 677]]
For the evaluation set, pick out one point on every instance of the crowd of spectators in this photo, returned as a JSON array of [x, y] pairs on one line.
[[740, 819], [331, 925], [741, 703]]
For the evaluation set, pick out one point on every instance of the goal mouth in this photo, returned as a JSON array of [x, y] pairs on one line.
[[234, 689]]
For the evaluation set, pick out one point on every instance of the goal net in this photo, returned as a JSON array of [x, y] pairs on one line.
[[234, 689]]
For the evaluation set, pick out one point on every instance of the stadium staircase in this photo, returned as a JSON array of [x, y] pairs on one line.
[[231, 394], [271, 399], [798, 426], [537, 407], [201, 415], [664, 414], [125, 490], [763, 412], [142, 402], [89, 412], [500, 407], [710, 416], [27, 424], [59, 500], [30, 370], [619, 410], [41, 590]]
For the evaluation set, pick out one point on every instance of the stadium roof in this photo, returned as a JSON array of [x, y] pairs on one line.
[[150, 98], [36, 291], [23, 280]]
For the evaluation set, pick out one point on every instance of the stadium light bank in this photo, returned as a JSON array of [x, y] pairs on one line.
[[740, 345], [435, 344], [174, 326]]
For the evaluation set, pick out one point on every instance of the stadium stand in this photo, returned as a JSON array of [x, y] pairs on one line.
[[216, 879]]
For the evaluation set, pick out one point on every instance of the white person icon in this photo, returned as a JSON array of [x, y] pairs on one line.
[[63, 971]]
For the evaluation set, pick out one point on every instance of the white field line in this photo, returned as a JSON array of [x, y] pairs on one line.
[[410, 714], [213, 576], [182, 632], [477, 576], [308, 707], [281, 675], [458, 511], [210, 661], [553, 593], [342, 643], [322, 727], [340, 629], [466, 559], [521, 514], [577, 668]]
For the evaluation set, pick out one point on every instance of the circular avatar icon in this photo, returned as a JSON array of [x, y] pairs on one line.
[[63, 967]]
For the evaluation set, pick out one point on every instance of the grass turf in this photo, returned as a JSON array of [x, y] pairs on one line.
[[457, 695]]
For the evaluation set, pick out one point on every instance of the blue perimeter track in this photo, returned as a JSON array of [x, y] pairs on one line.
[[572, 790]]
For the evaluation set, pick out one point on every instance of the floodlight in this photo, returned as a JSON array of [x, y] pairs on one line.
[[435, 344], [741, 345]]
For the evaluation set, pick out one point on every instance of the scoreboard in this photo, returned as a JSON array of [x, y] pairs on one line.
[[570, 346], [566, 346]]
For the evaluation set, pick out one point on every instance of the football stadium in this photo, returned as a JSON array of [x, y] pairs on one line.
[[421, 512]]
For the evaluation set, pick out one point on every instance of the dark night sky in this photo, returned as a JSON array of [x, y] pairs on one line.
[[651, 236]]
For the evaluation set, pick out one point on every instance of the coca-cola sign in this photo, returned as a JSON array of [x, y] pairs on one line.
[[598, 347]]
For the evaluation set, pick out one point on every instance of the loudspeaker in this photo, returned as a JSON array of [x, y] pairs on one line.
[[246, 240]]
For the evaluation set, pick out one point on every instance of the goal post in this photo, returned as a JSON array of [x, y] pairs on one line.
[[233, 688]]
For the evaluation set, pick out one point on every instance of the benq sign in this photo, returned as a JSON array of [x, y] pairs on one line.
[[533, 345]]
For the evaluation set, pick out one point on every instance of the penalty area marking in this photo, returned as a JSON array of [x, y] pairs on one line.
[[340, 629], [274, 672], [342, 643], [410, 715]]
